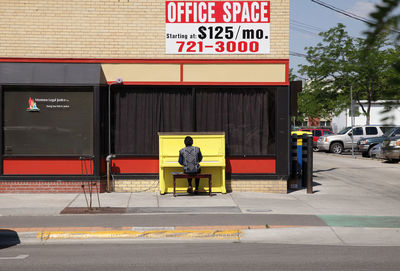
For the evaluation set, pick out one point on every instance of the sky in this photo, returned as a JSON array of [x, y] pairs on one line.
[[307, 19]]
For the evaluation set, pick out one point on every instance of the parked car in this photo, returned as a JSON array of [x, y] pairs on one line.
[[349, 137], [316, 134], [376, 151], [365, 145], [300, 133], [294, 128], [391, 149]]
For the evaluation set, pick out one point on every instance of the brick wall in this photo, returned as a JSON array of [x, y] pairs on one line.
[[48, 186], [265, 186], [105, 29], [136, 186]]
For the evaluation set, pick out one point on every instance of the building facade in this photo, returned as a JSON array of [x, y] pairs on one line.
[[378, 115], [185, 66]]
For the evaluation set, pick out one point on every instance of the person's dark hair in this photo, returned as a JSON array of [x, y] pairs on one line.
[[188, 141]]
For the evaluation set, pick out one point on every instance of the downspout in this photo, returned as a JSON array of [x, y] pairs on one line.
[[110, 156]]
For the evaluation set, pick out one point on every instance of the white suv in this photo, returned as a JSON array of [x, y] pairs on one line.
[[343, 140]]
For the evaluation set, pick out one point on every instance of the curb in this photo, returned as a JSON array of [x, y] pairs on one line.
[[53, 234], [156, 234], [306, 235]]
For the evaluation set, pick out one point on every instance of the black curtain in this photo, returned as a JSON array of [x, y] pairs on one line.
[[246, 115], [142, 112]]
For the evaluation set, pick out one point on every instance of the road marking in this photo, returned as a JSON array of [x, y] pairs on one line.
[[361, 221], [19, 257]]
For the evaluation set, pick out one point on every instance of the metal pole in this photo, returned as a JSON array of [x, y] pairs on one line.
[[108, 176], [352, 121], [109, 118], [118, 81], [109, 135], [309, 164]]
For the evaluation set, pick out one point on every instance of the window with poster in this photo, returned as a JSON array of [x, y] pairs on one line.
[[47, 121]]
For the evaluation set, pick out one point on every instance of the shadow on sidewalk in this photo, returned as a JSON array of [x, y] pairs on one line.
[[324, 170], [8, 238]]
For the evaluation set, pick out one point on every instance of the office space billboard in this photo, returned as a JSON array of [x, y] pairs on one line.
[[217, 27]]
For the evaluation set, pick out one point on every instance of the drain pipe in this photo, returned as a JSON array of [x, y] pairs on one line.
[[108, 160], [110, 156]]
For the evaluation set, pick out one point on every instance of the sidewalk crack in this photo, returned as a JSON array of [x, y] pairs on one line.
[[234, 201], [129, 200], [69, 204], [338, 237]]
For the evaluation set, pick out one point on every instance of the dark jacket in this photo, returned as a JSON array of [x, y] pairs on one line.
[[197, 151]]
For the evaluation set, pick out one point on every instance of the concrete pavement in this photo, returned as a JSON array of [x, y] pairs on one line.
[[356, 202]]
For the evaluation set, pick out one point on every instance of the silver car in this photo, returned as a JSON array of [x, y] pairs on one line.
[[376, 151], [391, 149], [349, 137]]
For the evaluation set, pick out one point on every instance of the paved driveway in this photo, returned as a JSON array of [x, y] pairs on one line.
[[356, 186]]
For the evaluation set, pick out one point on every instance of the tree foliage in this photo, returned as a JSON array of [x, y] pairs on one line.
[[340, 63], [386, 22]]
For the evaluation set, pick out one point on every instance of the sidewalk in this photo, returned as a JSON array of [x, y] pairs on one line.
[[355, 202], [331, 201], [295, 218]]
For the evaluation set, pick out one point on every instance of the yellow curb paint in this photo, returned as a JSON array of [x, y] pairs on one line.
[[174, 234]]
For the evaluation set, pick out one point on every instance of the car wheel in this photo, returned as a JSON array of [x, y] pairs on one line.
[[336, 148], [366, 154], [370, 150], [315, 149]]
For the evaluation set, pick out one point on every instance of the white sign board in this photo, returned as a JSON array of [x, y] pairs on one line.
[[217, 27]]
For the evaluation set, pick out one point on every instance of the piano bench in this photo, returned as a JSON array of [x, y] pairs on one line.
[[195, 176]]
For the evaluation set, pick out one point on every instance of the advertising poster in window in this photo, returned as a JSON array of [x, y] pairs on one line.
[[217, 27], [44, 121]]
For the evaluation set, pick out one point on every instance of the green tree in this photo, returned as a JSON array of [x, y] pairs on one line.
[[386, 22], [340, 63], [292, 76]]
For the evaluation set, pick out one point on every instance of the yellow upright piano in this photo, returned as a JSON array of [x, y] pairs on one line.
[[212, 146]]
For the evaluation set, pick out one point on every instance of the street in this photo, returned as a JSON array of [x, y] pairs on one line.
[[200, 256]]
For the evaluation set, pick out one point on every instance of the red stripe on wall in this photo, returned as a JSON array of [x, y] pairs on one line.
[[205, 83], [159, 61], [134, 165], [122, 166], [24, 166], [251, 165], [233, 165]]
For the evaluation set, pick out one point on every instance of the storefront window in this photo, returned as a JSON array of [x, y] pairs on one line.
[[47, 121], [142, 112], [246, 115]]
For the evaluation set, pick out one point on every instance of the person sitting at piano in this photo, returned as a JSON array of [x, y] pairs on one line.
[[189, 158]]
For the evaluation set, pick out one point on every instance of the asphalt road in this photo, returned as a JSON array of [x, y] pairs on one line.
[[200, 256]]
